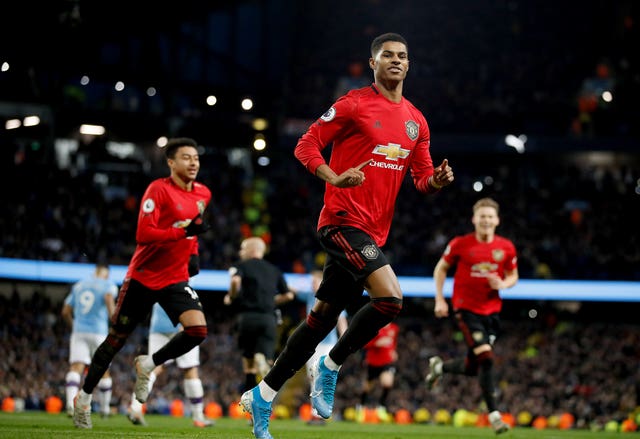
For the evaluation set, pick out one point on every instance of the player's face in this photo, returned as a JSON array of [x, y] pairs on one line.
[[186, 163], [391, 63], [485, 220]]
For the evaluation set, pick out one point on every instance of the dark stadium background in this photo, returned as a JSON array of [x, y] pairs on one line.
[[480, 70]]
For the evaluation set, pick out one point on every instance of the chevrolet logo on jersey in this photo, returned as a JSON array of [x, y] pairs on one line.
[[392, 151]]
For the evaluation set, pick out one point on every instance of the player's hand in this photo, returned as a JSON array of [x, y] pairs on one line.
[[194, 265], [441, 309], [352, 176], [197, 226], [442, 175], [495, 281]]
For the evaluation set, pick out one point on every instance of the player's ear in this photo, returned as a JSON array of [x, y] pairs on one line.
[[372, 63]]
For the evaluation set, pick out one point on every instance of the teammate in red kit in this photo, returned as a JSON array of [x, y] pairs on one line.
[[170, 218], [380, 357], [485, 263], [377, 136]]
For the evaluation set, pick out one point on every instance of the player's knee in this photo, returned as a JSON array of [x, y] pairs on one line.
[[485, 359], [115, 341], [321, 322], [196, 333], [387, 306], [471, 366]]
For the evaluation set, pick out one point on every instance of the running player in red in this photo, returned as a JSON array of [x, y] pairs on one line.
[[170, 218], [485, 263], [377, 136], [380, 357]]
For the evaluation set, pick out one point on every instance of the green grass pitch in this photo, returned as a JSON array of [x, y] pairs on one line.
[[42, 425]]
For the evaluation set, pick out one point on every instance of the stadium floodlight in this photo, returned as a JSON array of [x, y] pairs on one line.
[[516, 142], [12, 124], [246, 104], [31, 121], [260, 124], [92, 130]]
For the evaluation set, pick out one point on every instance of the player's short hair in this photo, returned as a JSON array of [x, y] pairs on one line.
[[378, 41], [102, 270], [173, 145], [486, 202]]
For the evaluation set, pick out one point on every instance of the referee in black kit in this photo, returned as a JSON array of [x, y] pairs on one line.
[[257, 287]]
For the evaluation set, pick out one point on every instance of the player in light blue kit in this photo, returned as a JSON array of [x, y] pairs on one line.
[[329, 341], [87, 310], [160, 331]]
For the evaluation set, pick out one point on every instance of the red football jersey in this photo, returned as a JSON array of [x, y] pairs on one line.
[[381, 350], [364, 125], [162, 252], [475, 260]]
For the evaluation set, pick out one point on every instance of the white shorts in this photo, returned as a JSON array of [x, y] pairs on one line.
[[184, 361], [83, 345]]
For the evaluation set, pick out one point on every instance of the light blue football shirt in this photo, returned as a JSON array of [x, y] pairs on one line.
[[90, 313], [160, 321]]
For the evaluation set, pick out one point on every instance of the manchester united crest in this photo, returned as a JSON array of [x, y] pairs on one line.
[[412, 129], [498, 254], [370, 252]]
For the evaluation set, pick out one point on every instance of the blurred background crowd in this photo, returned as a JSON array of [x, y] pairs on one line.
[[560, 362], [534, 103]]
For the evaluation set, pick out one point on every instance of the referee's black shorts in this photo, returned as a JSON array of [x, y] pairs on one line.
[[257, 334]]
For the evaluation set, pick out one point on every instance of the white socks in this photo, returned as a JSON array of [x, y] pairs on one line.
[[84, 398], [330, 364], [267, 393], [147, 362], [194, 392], [72, 385], [104, 395]]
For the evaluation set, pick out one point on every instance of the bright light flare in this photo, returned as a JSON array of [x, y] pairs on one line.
[[517, 143]]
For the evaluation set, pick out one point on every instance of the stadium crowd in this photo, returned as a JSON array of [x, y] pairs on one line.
[[570, 218], [556, 363], [483, 67]]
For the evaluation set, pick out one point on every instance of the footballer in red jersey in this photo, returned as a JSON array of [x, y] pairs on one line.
[[377, 136], [485, 264], [169, 222], [380, 356]]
